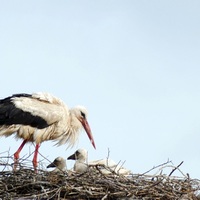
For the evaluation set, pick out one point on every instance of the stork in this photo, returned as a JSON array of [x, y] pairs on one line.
[[40, 117], [80, 156], [59, 163], [108, 166]]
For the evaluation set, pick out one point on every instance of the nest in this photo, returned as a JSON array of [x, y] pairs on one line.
[[26, 184]]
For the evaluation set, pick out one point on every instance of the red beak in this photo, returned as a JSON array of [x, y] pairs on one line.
[[88, 131]]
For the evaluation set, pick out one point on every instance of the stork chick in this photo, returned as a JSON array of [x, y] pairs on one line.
[[80, 156], [108, 166], [59, 163]]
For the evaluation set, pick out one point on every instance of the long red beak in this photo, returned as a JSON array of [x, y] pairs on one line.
[[88, 131]]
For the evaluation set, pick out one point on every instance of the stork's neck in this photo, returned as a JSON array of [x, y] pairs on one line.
[[70, 131], [80, 167], [81, 159], [73, 123], [62, 166]]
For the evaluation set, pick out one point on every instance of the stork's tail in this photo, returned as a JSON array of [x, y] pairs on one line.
[[7, 130]]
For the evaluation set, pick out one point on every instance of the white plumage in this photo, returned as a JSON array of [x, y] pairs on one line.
[[80, 156], [108, 165], [40, 117]]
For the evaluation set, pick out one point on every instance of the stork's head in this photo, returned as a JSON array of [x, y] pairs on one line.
[[80, 113], [59, 163], [80, 154]]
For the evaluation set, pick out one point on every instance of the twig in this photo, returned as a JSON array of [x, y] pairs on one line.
[[175, 169], [155, 167]]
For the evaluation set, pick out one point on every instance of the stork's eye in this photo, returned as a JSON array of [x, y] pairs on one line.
[[77, 153], [83, 114]]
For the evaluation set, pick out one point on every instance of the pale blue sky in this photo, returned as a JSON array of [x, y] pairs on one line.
[[134, 64]]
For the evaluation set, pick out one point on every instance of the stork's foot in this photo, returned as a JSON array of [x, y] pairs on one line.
[[16, 155], [35, 164], [16, 161]]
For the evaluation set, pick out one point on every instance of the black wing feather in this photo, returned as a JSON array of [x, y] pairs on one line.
[[9, 114]]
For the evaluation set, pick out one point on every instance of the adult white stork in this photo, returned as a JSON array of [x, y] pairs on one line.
[[39, 117]]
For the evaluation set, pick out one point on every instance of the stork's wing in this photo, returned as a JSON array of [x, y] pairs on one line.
[[34, 110]]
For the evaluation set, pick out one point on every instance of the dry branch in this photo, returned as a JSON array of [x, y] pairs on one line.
[[25, 184]]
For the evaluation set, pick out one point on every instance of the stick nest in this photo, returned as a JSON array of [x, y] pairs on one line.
[[26, 184]]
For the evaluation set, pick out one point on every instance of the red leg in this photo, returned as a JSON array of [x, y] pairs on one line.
[[16, 154], [35, 163]]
